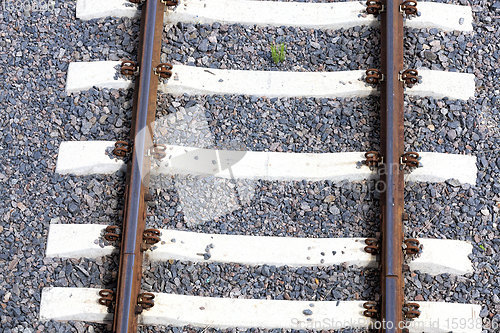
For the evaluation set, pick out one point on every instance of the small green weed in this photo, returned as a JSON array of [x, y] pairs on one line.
[[482, 247], [278, 53]]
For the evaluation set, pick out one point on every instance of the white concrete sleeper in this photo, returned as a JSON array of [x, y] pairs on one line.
[[208, 81], [90, 157], [82, 241], [334, 15], [80, 304]]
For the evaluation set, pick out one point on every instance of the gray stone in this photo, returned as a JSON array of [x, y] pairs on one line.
[[452, 134], [334, 210], [431, 56]]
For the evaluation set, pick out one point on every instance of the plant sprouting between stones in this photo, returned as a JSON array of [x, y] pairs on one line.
[[278, 52]]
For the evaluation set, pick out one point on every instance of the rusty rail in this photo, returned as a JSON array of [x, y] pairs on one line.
[[392, 176], [393, 160], [392, 312], [129, 300]]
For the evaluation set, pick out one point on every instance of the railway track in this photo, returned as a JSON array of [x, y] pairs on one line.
[[147, 159]]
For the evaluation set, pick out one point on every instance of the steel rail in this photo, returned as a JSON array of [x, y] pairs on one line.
[[144, 109], [392, 175]]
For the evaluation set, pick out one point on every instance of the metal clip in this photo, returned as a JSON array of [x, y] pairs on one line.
[[373, 76], [151, 236], [412, 246], [146, 300], [409, 7], [409, 77], [411, 310], [372, 246], [107, 297], [148, 197], [170, 2], [112, 233], [371, 309], [129, 67], [374, 7], [410, 159], [122, 148], [158, 151], [163, 70], [373, 158]]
